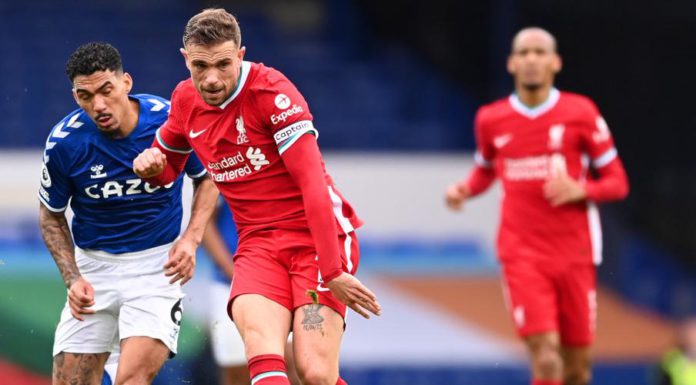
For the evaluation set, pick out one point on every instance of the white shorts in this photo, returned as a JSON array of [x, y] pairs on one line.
[[132, 298], [111, 365], [228, 347]]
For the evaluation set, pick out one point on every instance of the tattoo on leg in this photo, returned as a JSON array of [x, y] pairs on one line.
[[86, 367], [312, 319], [58, 362], [82, 369]]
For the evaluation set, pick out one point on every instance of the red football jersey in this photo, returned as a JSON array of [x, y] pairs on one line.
[[527, 146], [240, 143]]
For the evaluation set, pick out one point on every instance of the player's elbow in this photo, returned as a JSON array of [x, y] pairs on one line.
[[623, 190], [622, 187], [618, 192], [50, 220], [206, 184]]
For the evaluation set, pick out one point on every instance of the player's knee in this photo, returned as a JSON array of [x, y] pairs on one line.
[[139, 377], [579, 375], [135, 380], [548, 364], [255, 342], [577, 367], [317, 374]]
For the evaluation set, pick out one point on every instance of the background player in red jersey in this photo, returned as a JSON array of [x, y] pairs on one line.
[[297, 247], [541, 143]]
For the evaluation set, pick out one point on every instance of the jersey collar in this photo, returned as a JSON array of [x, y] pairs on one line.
[[533, 112], [243, 74]]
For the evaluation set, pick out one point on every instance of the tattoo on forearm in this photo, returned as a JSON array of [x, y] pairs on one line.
[[56, 235], [313, 321], [80, 368]]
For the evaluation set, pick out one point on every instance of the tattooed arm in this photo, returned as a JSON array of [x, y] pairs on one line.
[[56, 235]]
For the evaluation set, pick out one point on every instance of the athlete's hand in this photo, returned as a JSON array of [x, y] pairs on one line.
[[80, 298], [455, 197], [563, 190], [354, 294], [182, 261], [149, 163]]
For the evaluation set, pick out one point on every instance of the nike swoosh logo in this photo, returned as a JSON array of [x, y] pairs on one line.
[[194, 134], [502, 140]]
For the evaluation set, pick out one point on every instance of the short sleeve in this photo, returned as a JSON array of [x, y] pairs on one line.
[[485, 152], [55, 189], [284, 111], [597, 139], [171, 135], [194, 169]]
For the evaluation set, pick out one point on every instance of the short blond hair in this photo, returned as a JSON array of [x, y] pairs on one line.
[[212, 26]]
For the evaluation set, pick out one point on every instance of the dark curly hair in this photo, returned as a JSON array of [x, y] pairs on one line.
[[92, 57]]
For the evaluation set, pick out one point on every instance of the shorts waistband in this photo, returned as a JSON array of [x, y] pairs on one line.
[[125, 257]]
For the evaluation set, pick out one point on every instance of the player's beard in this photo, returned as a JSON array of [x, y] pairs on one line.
[[113, 131], [214, 99], [532, 87]]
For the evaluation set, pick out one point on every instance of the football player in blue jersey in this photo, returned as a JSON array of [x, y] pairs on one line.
[[126, 266]]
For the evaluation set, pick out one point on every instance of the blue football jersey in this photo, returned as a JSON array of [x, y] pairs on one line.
[[115, 211], [228, 231]]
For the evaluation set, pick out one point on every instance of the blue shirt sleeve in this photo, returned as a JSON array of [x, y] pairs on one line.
[[55, 190], [194, 169]]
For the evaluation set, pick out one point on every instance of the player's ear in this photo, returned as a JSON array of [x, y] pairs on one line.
[[557, 63], [186, 58], [511, 65], [127, 82], [74, 95], [241, 52]]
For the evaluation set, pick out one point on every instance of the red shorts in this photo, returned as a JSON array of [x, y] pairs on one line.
[[545, 297], [282, 265]]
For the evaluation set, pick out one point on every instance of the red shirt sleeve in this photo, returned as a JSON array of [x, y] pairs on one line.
[[612, 182], [483, 174], [611, 185], [304, 163], [284, 112], [171, 140]]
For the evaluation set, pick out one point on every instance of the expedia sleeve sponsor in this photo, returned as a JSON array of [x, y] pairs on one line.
[[285, 137], [283, 116]]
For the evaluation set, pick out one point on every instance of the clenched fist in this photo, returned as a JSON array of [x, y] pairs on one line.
[[80, 299], [149, 163], [456, 196]]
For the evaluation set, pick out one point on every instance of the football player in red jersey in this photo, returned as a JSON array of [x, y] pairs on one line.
[[541, 143], [297, 250]]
